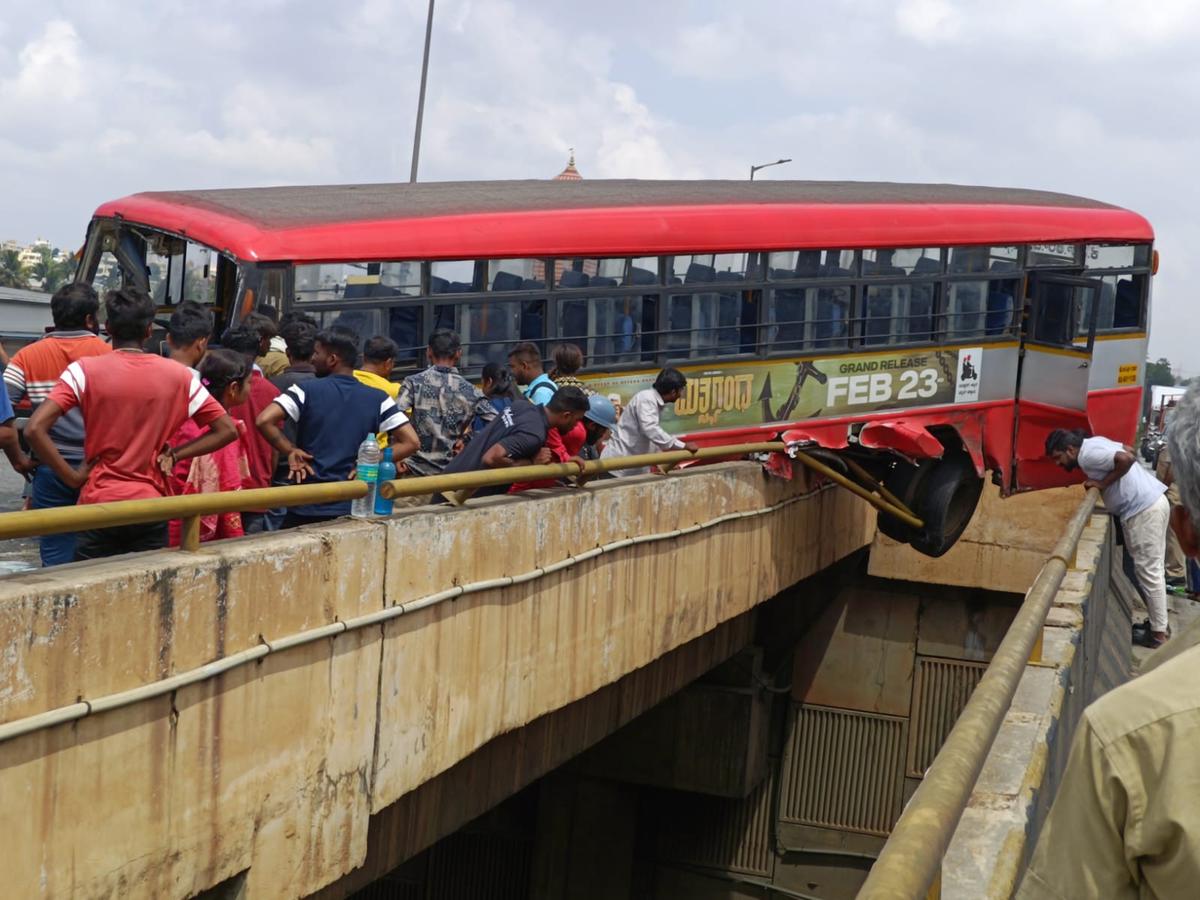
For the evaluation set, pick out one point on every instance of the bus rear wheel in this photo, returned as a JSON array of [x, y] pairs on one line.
[[943, 494]]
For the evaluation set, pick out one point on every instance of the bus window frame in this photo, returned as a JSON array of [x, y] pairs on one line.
[[1143, 298], [662, 293], [227, 263]]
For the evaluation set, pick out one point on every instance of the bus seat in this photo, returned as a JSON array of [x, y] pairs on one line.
[[927, 265], [603, 281], [1127, 310], [726, 277], [572, 279], [698, 273], [999, 312], [532, 284], [507, 281], [641, 276], [808, 265]]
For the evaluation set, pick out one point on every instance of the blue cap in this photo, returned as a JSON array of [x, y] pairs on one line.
[[601, 411]]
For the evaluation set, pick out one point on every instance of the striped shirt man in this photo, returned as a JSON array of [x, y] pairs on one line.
[[36, 368]]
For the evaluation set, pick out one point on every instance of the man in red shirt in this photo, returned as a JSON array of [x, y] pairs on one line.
[[245, 339], [132, 402]]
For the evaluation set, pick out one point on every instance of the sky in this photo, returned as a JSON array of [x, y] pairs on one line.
[[101, 99]]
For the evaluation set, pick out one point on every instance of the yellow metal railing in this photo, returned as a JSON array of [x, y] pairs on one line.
[[910, 862], [458, 487]]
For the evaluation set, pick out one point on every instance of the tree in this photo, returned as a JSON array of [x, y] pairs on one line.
[[53, 270], [13, 272], [1157, 373]]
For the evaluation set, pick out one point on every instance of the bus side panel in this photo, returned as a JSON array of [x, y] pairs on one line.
[[1115, 386]]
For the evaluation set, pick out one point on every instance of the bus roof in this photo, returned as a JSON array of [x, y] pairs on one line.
[[510, 219]]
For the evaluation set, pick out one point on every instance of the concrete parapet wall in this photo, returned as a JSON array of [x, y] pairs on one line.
[[1085, 652], [273, 768]]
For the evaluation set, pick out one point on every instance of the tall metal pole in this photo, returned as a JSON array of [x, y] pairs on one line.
[[778, 162], [416, 154]]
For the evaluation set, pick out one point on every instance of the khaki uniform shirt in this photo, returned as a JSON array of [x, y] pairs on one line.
[[1125, 824], [274, 363]]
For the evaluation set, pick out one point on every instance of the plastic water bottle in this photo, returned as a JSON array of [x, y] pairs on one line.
[[387, 471], [368, 471]]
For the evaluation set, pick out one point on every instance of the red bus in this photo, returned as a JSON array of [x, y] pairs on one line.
[[932, 333]]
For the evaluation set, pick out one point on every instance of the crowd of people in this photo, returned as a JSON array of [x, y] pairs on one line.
[[278, 403]]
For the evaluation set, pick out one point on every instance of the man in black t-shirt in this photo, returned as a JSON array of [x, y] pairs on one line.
[[517, 436]]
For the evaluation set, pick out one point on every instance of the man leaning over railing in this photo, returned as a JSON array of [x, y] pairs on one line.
[[1126, 819]]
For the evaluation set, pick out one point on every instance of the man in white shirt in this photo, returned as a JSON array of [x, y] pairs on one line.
[[638, 430], [1135, 497]]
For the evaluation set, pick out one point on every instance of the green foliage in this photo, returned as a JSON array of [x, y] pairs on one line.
[[54, 273], [1157, 372], [13, 272]]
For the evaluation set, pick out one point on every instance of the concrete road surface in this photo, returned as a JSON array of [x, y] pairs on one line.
[[21, 554]]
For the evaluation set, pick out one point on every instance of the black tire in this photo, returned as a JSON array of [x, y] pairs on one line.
[[906, 481], [947, 501]]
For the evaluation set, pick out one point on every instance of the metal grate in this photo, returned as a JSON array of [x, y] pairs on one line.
[[480, 866], [941, 689], [843, 769], [733, 835]]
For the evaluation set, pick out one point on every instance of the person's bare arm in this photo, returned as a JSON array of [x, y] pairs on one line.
[[37, 433], [299, 461], [11, 444], [1123, 461], [496, 457], [404, 442], [221, 431]]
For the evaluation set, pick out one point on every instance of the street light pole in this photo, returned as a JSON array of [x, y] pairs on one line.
[[421, 96], [753, 169]]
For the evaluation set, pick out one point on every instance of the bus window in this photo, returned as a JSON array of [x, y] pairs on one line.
[[516, 274], [1062, 255], [980, 308], [714, 266], [1130, 293], [974, 260], [490, 329], [795, 264], [707, 322], [108, 275], [271, 286], [1057, 311], [357, 280], [199, 275], [454, 276], [365, 322], [905, 261], [609, 330], [622, 270], [898, 313], [1120, 304], [1116, 256], [804, 318]]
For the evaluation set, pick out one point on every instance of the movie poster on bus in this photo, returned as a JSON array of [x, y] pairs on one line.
[[750, 393]]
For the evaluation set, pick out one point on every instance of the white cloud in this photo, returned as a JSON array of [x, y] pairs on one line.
[[929, 21], [50, 70]]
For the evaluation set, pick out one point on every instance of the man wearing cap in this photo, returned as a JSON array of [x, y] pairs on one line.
[[598, 423]]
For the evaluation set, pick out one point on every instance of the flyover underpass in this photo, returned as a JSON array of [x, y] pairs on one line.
[[782, 771]]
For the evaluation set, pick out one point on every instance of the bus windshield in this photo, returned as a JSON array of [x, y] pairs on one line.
[[170, 268]]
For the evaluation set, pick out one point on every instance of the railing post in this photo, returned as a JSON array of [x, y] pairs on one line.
[[190, 534]]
